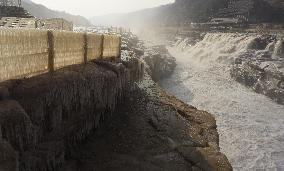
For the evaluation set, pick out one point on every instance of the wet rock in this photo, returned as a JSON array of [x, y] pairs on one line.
[[160, 63], [139, 51], [261, 42], [124, 46], [263, 80], [262, 70], [129, 41]]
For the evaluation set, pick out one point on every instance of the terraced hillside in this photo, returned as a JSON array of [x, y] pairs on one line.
[[186, 11]]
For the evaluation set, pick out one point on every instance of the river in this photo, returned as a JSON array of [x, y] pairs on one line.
[[251, 126]]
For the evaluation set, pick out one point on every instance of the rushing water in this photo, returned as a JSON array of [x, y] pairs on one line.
[[251, 126]]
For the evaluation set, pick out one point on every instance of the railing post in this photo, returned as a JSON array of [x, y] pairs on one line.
[[102, 46], [85, 48], [50, 40], [119, 48]]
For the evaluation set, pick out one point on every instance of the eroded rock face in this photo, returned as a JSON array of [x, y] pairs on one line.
[[160, 63], [129, 41], [43, 118]]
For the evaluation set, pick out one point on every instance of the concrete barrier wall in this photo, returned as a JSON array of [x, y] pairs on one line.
[[22, 53], [68, 48], [111, 46], [94, 46], [25, 53]]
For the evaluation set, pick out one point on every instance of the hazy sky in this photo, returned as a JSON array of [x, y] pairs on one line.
[[89, 8]]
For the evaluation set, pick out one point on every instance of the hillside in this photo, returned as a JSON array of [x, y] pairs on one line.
[[41, 11], [187, 11]]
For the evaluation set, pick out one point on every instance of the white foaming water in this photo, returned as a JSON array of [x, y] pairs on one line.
[[251, 126]]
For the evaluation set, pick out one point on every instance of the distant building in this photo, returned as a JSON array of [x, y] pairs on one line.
[[221, 23], [236, 9], [14, 22], [254, 11], [226, 21], [55, 24], [12, 15], [17, 3]]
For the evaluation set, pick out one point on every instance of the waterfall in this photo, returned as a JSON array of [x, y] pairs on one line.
[[226, 47], [279, 48], [251, 126]]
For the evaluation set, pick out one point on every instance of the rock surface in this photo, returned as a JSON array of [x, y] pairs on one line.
[[160, 63], [263, 70], [153, 131], [47, 116]]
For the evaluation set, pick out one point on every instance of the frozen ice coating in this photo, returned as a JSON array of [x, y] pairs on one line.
[[50, 114], [251, 126]]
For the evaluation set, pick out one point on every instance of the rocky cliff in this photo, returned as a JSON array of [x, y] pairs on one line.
[[153, 131], [159, 63], [42, 119]]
